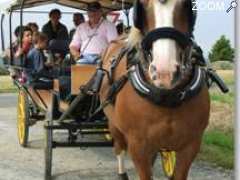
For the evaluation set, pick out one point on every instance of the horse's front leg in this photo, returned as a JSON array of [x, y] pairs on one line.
[[120, 148], [121, 169], [142, 159], [184, 159]]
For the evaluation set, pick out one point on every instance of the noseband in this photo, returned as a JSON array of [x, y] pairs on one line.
[[182, 39]]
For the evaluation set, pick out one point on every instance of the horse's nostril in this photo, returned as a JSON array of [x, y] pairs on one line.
[[153, 68], [154, 77]]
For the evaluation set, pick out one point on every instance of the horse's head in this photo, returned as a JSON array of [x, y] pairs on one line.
[[165, 29]]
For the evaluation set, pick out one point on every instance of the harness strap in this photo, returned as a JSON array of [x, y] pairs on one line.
[[112, 93], [115, 62], [116, 87], [162, 33]]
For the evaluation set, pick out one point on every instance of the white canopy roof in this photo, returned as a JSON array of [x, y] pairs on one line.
[[108, 5]]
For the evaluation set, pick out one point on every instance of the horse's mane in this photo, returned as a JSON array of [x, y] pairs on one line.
[[134, 37]]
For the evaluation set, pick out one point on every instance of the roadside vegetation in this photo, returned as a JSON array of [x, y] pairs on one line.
[[218, 141], [6, 85]]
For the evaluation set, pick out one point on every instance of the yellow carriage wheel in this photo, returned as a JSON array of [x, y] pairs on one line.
[[108, 136], [22, 118], [168, 162]]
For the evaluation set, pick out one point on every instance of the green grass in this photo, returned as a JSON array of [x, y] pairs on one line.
[[218, 148], [215, 93], [223, 98], [6, 85], [227, 76]]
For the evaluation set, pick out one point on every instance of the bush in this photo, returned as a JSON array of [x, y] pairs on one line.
[[222, 65], [221, 50], [3, 71]]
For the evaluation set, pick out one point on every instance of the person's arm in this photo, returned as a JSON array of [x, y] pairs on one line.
[[45, 29], [18, 53], [75, 45], [74, 52], [63, 33], [111, 32]]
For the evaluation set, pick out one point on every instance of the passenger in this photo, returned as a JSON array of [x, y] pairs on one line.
[[92, 37], [78, 18], [33, 26], [7, 54], [54, 29], [25, 44], [37, 65]]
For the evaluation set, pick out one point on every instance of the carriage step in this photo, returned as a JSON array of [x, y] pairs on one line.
[[38, 117], [82, 144], [75, 125]]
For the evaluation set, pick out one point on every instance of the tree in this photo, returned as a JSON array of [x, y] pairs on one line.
[[221, 50]]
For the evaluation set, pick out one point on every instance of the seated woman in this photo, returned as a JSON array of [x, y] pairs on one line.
[[24, 46]]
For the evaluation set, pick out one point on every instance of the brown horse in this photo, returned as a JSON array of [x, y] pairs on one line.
[[140, 125]]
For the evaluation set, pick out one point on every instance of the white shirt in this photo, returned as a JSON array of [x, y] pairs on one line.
[[101, 37]]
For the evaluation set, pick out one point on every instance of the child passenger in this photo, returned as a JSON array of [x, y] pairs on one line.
[[37, 65]]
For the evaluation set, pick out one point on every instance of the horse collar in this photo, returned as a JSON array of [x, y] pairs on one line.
[[163, 97]]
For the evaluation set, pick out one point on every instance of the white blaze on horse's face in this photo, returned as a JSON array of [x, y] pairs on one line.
[[164, 52]]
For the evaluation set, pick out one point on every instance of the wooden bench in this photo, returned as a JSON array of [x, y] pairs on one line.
[[80, 75]]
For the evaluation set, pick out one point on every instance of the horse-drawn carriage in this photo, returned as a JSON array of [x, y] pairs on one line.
[[83, 112]]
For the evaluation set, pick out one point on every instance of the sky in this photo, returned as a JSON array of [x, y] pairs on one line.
[[212, 21]]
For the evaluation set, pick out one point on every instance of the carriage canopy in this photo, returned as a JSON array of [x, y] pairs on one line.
[[108, 5]]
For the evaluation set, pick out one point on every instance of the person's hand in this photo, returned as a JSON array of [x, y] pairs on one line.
[[49, 64], [76, 58], [19, 52], [75, 53]]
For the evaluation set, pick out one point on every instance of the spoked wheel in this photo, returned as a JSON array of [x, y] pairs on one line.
[[23, 116], [168, 162], [48, 151]]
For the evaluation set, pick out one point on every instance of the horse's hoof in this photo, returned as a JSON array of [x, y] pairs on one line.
[[123, 176]]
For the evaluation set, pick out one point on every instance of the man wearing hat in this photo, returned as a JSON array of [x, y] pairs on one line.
[[92, 37]]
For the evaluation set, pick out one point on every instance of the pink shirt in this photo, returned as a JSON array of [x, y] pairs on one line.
[[104, 34]]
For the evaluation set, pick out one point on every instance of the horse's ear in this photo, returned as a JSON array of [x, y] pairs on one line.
[[138, 15]]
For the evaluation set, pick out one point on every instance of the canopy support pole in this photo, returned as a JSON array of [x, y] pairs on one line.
[[10, 37], [2, 33], [21, 25]]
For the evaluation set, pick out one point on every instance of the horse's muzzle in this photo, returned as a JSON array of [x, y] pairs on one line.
[[165, 79]]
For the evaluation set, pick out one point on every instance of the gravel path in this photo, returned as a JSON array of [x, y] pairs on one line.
[[17, 163]]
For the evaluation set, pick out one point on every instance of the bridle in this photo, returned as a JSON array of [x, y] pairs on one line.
[[184, 40]]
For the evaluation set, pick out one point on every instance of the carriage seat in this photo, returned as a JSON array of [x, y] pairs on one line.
[[80, 75], [42, 84]]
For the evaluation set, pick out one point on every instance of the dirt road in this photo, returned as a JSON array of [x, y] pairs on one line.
[[17, 163]]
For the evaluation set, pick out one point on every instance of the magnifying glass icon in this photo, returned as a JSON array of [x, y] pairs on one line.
[[233, 4]]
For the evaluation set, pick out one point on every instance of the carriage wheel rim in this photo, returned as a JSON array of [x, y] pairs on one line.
[[108, 136], [21, 117], [168, 162]]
